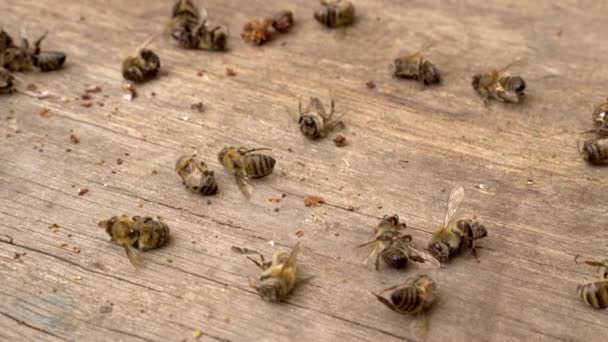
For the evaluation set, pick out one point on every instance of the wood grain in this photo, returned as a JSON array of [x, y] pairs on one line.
[[408, 146]]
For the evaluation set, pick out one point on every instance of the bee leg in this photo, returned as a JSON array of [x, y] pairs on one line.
[[386, 302], [302, 281], [377, 262]]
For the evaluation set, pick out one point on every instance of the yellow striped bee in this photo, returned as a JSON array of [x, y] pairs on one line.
[[278, 276], [143, 66], [415, 297], [196, 176], [394, 247], [595, 293], [595, 151], [335, 13], [141, 232], [314, 121], [495, 85], [189, 28], [600, 117], [244, 164], [455, 236], [416, 67]]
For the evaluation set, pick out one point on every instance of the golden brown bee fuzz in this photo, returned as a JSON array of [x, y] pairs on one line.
[[142, 67], [314, 121], [595, 293], [143, 233], [455, 236], [196, 176], [278, 277], [495, 85], [600, 117], [282, 21], [257, 31], [191, 31], [595, 151], [244, 164], [7, 82], [416, 67], [335, 13]]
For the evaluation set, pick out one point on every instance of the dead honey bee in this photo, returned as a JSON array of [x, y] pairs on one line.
[[495, 85], [314, 121], [47, 60], [189, 28], [282, 21], [600, 117], [394, 247], [595, 293], [278, 276], [595, 151], [16, 58], [141, 232], [196, 176], [335, 13], [455, 236], [143, 66], [243, 164], [416, 67], [257, 31], [415, 297]]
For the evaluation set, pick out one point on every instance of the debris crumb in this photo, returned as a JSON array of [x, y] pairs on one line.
[[129, 91], [271, 243], [370, 84], [530, 181], [300, 233], [230, 72], [154, 172], [275, 199], [340, 140], [64, 99], [482, 187], [92, 89], [77, 277], [313, 200], [139, 203], [170, 260], [86, 97], [350, 208], [76, 250], [45, 113], [276, 210], [200, 73], [82, 191], [19, 255], [105, 309], [119, 161], [86, 104], [31, 87], [74, 139], [209, 202], [196, 334], [199, 106], [54, 228]]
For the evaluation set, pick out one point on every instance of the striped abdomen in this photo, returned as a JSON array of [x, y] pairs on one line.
[[515, 84], [594, 294], [152, 233], [596, 151], [259, 165], [49, 60], [395, 258], [428, 73], [337, 14], [406, 299], [472, 230]]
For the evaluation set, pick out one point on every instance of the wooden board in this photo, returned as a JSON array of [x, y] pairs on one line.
[[407, 147]]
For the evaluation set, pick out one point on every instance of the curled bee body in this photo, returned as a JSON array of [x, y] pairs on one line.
[[455, 236], [196, 176], [595, 293], [7, 82], [393, 246], [600, 117], [189, 28], [595, 151], [47, 60], [314, 121], [282, 21], [278, 276], [142, 233], [143, 66], [257, 31], [416, 67], [335, 13], [495, 85], [244, 164]]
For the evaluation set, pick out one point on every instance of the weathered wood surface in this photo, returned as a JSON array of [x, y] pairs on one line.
[[408, 147]]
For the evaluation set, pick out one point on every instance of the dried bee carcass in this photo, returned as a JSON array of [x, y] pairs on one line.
[[595, 293], [16, 58], [455, 235], [144, 233], [196, 176], [278, 276], [282, 21], [416, 67], [47, 60], [257, 31], [595, 151], [335, 13], [189, 28], [415, 297], [143, 66], [495, 84], [244, 164], [314, 121], [394, 247], [600, 118]]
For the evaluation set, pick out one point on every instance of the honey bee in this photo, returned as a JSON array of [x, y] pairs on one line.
[[415, 297], [455, 236], [595, 151], [47, 60], [142, 67], [392, 246], [257, 31], [189, 28], [495, 85], [278, 276], [282, 21], [196, 176], [314, 121], [416, 67], [335, 13], [595, 293], [600, 117], [7, 82], [17, 58], [141, 232], [242, 163]]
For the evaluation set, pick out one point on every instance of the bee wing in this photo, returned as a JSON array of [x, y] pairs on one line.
[[422, 257], [291, 260], [242, 181], [517, 62], [456, 197], [134, 256]]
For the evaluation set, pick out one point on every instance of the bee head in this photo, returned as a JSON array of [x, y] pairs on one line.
[[519, 86], [269, 289], [590, 152], [223, 153], [308, 126], [107, 224]]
